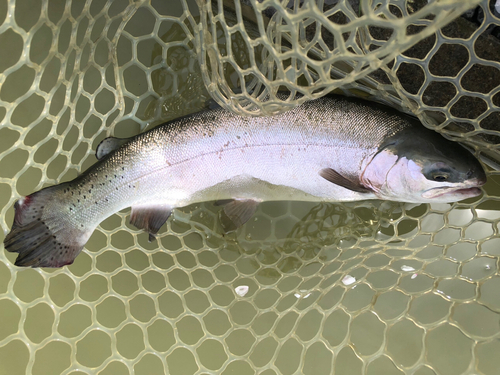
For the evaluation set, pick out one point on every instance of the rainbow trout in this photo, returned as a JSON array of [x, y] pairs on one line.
[[330, 149]]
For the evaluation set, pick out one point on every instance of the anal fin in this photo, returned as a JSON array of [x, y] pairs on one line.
[[150, 218]]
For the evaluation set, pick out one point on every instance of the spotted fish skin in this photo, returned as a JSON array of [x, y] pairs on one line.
[[330, 149]]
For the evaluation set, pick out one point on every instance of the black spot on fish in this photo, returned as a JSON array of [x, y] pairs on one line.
[[84, 197]]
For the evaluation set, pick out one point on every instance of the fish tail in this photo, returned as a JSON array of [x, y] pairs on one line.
[[41, 234]]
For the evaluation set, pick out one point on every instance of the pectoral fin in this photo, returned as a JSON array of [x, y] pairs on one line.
[[239, 211], [109, 145], [150, 218], [337, 179]]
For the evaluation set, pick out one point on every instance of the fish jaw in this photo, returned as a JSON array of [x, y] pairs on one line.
[[453, 193]]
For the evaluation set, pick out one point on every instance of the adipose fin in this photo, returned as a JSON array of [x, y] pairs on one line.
[[109, 145]]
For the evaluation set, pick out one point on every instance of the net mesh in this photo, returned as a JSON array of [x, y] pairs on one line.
[[356, 288]]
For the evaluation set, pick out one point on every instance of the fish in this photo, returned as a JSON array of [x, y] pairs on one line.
[[331, 149]]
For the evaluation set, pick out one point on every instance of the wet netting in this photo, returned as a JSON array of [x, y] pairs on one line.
[[356, 288]]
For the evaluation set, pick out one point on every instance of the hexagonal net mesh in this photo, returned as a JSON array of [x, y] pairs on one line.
[[355, 288]]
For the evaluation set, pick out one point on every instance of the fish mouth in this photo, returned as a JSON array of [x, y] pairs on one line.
[[452, 193]]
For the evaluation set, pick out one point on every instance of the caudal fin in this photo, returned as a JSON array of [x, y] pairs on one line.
[[41, 234]]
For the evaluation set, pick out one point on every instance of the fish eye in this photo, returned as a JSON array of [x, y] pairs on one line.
[[440, 177], [439, 172]]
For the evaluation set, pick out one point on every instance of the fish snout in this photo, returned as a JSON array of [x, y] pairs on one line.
[[476, 176]]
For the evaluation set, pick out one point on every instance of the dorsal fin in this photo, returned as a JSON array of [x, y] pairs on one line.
[[109, 145], [336, 178]]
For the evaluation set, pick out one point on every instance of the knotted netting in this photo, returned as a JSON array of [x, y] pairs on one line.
[[355, 288]]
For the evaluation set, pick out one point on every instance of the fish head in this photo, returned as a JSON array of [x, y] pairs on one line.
[[424, 167]]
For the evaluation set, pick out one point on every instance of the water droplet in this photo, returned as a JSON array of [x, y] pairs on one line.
[[241, 290], [407, 268], [348, 280]]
